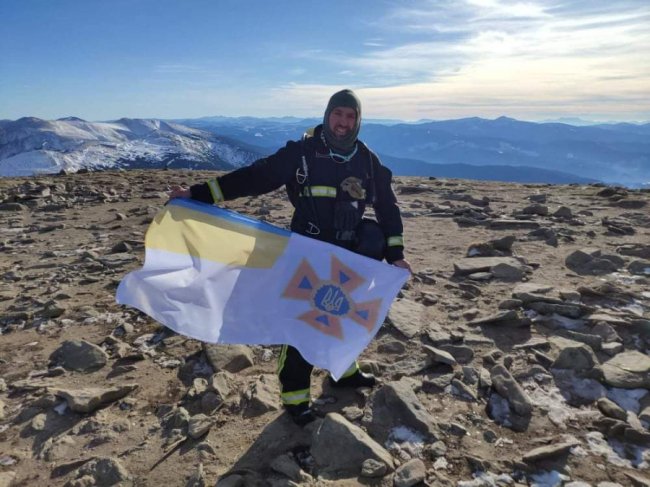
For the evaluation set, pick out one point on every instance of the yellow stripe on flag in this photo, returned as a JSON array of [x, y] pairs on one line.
[[185, 231]]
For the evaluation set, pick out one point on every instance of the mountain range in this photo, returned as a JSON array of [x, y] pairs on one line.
[[31, 146], [502, 149], [612, 153]]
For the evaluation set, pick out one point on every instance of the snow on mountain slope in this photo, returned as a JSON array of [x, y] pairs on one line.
[[31, 145]]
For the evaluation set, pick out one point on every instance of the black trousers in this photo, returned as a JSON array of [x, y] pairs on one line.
[[294, 373]]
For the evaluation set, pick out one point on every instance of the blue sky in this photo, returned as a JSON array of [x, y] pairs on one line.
[[411, 59]]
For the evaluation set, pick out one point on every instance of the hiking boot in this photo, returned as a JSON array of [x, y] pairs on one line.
[[358, 379], [300, 414]]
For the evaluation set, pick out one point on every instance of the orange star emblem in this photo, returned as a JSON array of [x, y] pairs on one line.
[[331, 299]]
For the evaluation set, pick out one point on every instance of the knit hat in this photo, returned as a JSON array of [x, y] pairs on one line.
[[343, 98]]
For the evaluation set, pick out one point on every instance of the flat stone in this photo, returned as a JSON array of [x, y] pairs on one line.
[[439, 356], [231, 358], [408, 317], [568, 310], [471, 265], [261, 397], [639, 267], [612, 348], [536, 209], [531, 288], [507, 272], [408, 366], [79, 355], [550, 451], [628, 370], [504, 318], [637, 479], [538, 198], [594, 341], [410, 473], [463, 391], [105, 471], [573, 355], [439, 381], [92, 398], [395, 404], [610, 409], [12, 207], [461, 353], [533, 343], [507, 387], [198, 425], [480, 276], [635, 250], [512, 225], [592, 261], [563, 212], [339, 446], [114, 261], [603, 317]]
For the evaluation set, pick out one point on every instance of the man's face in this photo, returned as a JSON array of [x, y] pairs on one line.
[[342, 121]]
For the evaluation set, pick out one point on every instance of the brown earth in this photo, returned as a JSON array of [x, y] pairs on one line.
[[58, 279]]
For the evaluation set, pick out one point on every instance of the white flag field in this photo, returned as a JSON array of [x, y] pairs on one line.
[[221, 277]]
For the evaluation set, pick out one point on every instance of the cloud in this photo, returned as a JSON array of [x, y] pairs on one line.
[[490, 57]]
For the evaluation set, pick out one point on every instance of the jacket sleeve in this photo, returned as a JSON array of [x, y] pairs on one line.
[[262, 176], [387, 211]]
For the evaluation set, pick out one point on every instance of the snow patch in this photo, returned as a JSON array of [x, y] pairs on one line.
[[548, 479], [616, 453], [628, 399], [405, 443]]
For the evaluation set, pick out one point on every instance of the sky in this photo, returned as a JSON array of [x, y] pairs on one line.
[[406, 59]]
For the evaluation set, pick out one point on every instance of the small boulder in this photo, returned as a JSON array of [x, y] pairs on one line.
[[628, 370], [79, 355], [92, 398], [410, 473], [104, 471], [592, 261], [339, 446], [231, 358]]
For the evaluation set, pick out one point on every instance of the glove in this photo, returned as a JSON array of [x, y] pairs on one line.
[[346, 215]]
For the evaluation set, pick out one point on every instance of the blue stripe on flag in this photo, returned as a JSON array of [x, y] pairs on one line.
[[229, 215]]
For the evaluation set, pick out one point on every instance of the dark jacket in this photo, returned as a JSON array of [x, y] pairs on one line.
[[332, 198]]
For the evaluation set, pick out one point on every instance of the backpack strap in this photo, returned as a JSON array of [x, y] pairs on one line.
[[372, 197], [304, 187]]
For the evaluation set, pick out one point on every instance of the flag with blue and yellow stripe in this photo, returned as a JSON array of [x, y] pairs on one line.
[[221, 277]]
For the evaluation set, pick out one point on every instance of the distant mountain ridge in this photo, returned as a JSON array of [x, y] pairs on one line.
[[613, 153], [31, 145], [503, 149]]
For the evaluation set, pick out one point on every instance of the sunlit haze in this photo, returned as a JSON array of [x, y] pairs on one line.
[[407, 60]]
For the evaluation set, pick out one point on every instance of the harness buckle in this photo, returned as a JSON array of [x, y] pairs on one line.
[[312, 229], [301, 177]]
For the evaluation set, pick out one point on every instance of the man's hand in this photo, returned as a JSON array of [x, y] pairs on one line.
[[404, 264], [179, 192]]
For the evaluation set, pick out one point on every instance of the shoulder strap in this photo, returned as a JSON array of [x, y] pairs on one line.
[[304, 187], [371, 173]]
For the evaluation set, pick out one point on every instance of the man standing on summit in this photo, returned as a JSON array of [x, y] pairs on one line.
[[330, 177]]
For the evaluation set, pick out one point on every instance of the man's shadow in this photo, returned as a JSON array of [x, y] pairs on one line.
[[280, 436]]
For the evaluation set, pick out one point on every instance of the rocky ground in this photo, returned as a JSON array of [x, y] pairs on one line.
[[516, 355]]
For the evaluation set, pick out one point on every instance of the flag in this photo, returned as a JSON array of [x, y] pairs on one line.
[[221, 277]]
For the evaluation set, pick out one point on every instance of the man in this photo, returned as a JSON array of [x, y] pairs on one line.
[[330, 177]]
